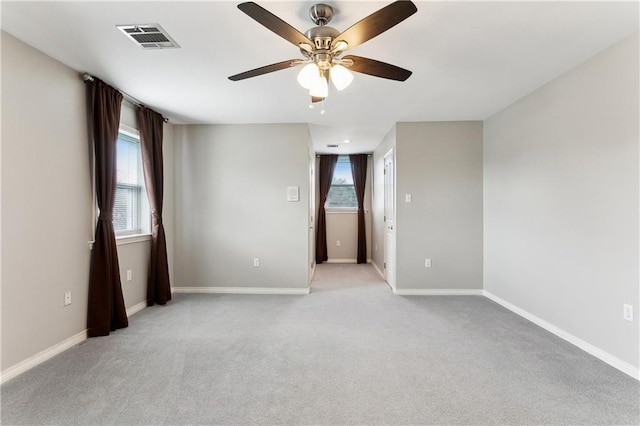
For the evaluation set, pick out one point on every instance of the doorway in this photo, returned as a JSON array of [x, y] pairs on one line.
[[341, 214]]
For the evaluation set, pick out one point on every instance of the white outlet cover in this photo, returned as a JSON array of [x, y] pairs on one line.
[[627, 312]]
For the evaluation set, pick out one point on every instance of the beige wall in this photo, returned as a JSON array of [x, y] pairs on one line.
[[46, 205], [231, 206], [561, 202]]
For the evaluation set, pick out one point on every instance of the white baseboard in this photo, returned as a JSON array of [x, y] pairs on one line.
[[43, 356], [437, 292], [242, 290], [378, 270], [587, 347], [136, 308]]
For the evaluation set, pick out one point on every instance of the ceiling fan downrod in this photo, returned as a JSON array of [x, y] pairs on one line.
[[321, 14]]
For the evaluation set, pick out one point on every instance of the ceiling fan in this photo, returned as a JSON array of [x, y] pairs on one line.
[[323, 46]]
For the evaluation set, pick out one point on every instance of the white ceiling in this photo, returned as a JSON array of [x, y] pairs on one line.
[[469, 59]]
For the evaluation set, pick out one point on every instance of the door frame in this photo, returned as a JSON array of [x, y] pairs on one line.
[[389, 220]]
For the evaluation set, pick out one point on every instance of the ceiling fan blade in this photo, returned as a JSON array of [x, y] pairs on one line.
[[265, 70], [377, 68], [275, 24], [377, 23], [315, 99]]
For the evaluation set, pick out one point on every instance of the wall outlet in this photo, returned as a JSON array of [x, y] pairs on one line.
[[375, 247], [427, 263], [407, 198], [627, 312], [338, 243], [67, 298], [256, 262], [129, 275]]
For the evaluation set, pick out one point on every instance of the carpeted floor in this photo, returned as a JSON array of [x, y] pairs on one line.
[[351, 352]]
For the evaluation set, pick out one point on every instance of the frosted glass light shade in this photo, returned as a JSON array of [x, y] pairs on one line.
[[309, 76], [320, 89], [341, 77]]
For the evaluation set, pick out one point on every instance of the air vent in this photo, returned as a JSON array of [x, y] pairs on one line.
[[333, 146], [149, 36]]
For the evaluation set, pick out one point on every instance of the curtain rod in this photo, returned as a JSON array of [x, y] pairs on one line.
[[319, 155], [127, 97]]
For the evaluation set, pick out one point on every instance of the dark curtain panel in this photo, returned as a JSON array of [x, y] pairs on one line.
[[151, 128], [359, 172], [327, 165], [106, 305]]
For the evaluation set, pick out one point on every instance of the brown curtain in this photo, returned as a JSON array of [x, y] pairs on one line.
[[106, 305], [151, 128], [359, 172], [325, 175]]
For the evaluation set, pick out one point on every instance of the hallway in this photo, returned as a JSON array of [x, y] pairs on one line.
[[342, 276]]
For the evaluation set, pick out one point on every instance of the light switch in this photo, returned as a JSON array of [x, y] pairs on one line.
[[293, 193]]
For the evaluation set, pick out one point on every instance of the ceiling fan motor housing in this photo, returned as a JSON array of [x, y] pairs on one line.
[[322, 36]]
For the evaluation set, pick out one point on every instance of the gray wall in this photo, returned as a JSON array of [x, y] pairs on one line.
[[231, 206], [440, 165], [46, 202], [46, 205], [561, 202]]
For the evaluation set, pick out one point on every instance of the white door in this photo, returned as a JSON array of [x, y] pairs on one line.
[[389, 220], [312, 209]]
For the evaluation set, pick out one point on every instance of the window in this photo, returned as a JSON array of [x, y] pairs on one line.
[[131, 207], [342, 193]]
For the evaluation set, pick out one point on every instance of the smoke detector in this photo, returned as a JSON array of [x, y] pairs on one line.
[[148, 36]]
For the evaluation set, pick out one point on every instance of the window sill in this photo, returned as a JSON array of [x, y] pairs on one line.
[[132, 239], [127, 239], [335, 210]]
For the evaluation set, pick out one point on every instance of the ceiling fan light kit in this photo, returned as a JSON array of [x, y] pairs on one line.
[[340, 77], [320, 88], [308, 75], [322, 47]]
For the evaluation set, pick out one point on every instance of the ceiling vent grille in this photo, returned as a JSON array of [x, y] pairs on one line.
[[149, 36], [333, 146]]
